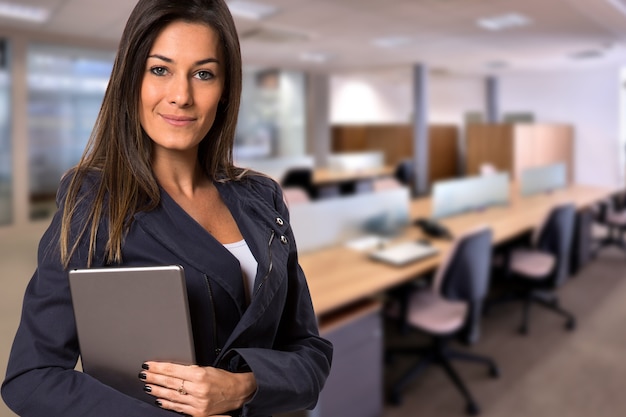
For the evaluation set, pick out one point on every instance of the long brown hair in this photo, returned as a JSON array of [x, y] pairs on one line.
[[120, 150]]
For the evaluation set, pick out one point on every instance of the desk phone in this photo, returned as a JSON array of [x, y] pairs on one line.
[[433, 228]]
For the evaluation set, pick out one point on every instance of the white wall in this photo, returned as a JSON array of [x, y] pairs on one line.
[[588, 99], [377, 97], [385, 96]]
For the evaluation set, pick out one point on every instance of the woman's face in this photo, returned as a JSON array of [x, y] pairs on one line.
[[182, 86]]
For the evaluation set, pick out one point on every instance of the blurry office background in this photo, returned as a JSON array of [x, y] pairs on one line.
[[310, 65]]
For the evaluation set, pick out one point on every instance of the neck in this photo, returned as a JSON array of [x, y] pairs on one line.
[[180, 174]]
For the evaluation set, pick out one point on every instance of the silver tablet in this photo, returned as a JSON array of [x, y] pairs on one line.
[[125, 316]]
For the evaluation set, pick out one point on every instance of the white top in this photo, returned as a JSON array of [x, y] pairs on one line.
[[241, 251]]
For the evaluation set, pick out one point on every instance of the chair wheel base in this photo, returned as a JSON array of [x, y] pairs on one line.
[[494, 372], [523, 330], [394, 399], [472, 409]]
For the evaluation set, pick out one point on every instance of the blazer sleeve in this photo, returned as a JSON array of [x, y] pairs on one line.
[[291, 375], [41, 379]]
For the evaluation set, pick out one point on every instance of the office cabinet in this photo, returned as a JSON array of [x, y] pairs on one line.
[[516, 147], [355, 385]]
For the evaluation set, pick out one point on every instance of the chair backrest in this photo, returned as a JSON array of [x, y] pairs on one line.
[[299, 177], [386, 183], [464, 275], [404, 172], [488, 169], [295, 195], [555, 236]]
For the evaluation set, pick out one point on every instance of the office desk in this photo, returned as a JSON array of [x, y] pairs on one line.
[[341, 279], [339, 276], [323, 176]]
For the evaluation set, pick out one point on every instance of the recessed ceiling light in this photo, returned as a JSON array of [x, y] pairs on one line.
[[251, 10], [317, 57], [21, 12], [496, 64], [392, 41], [505, 21]]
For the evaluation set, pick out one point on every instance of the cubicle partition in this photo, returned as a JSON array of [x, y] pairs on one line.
[[543, 179], [468, 194], [323, 223], [395, 141]]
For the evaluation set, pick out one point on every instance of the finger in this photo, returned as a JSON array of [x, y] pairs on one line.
[[177, 407], [167, 368], [170, 395], [168, 382]]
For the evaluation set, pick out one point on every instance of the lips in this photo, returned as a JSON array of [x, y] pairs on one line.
[[175, 120]]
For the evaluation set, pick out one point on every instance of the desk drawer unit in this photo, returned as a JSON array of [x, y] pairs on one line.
[[355, 385]]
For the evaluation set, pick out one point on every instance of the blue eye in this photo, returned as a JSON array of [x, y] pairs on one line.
[[159, 71], [204, 75]]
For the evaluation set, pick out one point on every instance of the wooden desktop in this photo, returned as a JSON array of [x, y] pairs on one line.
[[330, 176]]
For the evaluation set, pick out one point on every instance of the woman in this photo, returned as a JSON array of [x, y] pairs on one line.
[[157, 186]]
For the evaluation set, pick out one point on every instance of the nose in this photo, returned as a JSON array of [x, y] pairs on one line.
[[180, 93]]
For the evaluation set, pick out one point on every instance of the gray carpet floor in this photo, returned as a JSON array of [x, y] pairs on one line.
[[550, 371]]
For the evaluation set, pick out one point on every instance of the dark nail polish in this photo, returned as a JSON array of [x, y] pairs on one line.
[[147, 388], [142, 375], [145, 366], [159, 403]]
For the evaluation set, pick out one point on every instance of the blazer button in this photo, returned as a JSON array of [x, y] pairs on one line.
[[279, 221], [284, 240]]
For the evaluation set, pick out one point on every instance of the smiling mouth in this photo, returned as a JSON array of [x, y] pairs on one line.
[[177, 120]]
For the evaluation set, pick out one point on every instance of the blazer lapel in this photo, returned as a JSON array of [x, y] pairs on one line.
[[262, 226], [181, 234]]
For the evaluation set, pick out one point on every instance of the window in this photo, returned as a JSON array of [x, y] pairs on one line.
[[65, 91], [272, 115], [6, 189]]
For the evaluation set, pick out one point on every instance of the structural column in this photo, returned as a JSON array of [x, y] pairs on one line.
[[420, 130], [492, 93], [318, 118]]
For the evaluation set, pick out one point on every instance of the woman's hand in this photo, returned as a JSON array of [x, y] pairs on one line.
[[196, 391]]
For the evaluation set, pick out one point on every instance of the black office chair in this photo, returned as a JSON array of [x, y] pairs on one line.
[[535, 273], [405, 172], [450, 308], [299, 177], [612, 216], [303, 178]]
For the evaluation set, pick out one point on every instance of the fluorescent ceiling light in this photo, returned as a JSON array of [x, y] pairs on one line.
[[587, 54], [21, 12], [392, 41], [251, 10], [505, 21]]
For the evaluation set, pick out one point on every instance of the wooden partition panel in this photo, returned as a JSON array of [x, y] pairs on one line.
[[444, 152], [516, 147], [396, 142], [490, 144], [554, 144]]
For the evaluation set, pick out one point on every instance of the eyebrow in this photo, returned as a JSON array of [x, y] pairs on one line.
[[170, 60]]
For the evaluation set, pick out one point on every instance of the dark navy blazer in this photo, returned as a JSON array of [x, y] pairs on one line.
[[275, 337]]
